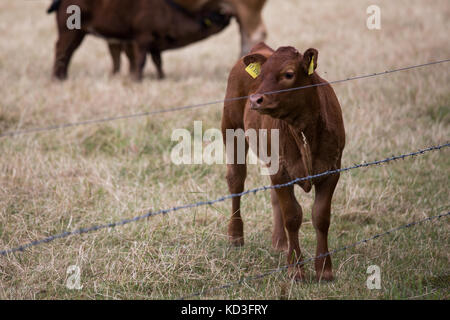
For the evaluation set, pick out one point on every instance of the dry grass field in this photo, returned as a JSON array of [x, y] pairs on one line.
[[78, 177]]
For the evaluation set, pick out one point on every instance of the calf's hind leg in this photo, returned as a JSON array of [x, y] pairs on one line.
[[321, 221], [236, 174]]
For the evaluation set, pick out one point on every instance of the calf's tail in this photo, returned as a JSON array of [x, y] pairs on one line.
[[54, 6]]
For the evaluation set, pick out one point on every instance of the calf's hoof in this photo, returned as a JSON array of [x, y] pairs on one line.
[[236, 241], [296, 273], [326, 275], [236, 232], [279, 245]]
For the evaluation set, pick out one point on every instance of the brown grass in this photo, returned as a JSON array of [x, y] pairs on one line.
[[78, 177]]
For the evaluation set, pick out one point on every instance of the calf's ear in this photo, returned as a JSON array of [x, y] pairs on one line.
[[309, 62], [254, 58]]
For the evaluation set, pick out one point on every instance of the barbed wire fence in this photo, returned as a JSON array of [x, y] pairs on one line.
[[199, 105], [221, 199]]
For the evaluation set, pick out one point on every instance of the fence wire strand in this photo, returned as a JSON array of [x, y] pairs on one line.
[[222, 199], [194, 106], [301, 263]]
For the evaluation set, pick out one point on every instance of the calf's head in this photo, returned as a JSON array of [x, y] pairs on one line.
[[286, 68]]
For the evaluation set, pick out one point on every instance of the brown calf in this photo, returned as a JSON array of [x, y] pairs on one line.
[[312, 138], [147, 26]]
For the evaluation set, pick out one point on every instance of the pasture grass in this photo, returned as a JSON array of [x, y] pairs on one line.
[[82, 176]]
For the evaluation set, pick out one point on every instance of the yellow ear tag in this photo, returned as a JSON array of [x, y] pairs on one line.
[[254, 69], [311, 67]]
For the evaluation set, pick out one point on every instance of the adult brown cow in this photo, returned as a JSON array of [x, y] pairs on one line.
[[312, 138], [148, 25], [248, 14]]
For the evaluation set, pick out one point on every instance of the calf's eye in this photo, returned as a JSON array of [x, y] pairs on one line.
[[289, 75]]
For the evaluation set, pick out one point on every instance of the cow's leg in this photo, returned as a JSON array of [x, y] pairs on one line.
[[248, 41], [321, 221], [236, 174], [252, 28], [140, 55], [129, 51], [279, 239], [292, 217], [68, 42], [115, 49], [157, 60]]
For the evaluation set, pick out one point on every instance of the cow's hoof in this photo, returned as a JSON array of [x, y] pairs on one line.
[[136, 77], [280, 245], [325, 276], [237, 241], [59, 76]]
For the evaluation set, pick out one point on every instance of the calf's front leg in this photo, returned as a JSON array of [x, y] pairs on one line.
[[279, 239], [292, 218], [321, 221]]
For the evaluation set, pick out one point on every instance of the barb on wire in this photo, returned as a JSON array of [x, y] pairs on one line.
[[194, 106], [210, 202], [344, 248]]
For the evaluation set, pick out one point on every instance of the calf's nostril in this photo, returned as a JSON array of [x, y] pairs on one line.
[[256, 99]]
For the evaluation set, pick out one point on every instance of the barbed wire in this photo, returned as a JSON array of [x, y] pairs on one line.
[[222, 199], [199, 105], [301, 263]]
